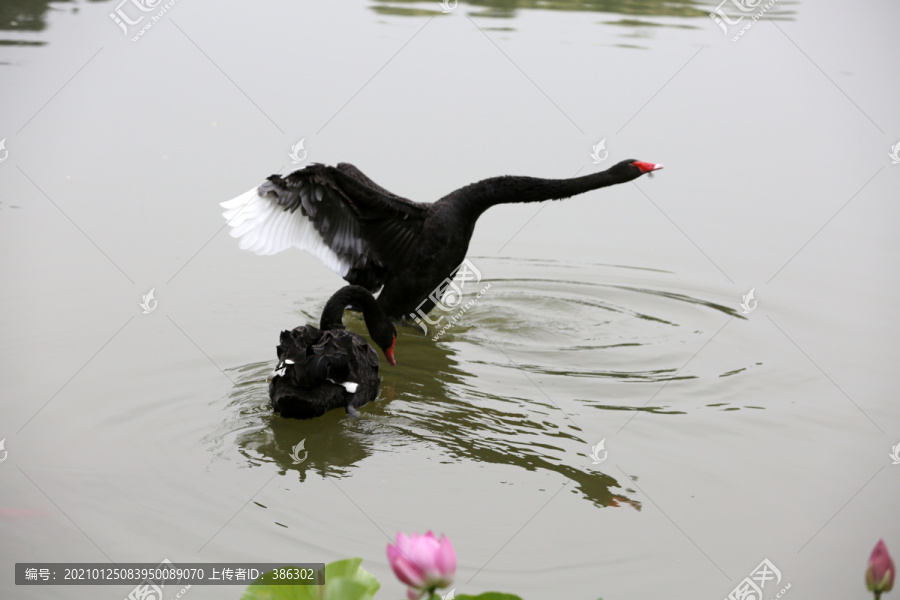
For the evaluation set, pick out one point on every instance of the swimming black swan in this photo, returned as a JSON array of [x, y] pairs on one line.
[[375, 239], [331, 367]]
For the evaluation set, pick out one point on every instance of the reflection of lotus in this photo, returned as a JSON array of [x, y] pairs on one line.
[[5, 453], [4, 153], [895, 453], [447, 7]]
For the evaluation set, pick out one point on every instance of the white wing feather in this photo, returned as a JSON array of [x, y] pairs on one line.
[[264, 227], [347, 385]]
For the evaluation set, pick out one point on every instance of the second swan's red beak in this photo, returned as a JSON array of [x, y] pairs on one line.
[[647, 167], [389, 353]]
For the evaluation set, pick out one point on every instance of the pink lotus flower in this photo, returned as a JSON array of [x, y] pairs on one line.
[[880, 572], [423, 562]]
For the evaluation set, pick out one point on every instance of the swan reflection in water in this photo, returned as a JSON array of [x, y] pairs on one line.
[[428, 399], [584, 334]]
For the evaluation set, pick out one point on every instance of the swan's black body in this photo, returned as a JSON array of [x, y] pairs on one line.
[[384, 241], [316, 364]]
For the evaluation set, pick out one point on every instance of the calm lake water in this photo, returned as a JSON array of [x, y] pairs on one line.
[[729, 436]]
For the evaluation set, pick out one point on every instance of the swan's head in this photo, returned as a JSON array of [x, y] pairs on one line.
[[643, 167], [385, 335], [389, 353], [627, 170], [646, 167]]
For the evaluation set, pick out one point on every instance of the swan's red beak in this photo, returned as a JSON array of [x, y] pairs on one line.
[[647, 167], [389, 353]]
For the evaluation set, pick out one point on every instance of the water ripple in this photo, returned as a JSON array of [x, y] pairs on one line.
[[506, 384]]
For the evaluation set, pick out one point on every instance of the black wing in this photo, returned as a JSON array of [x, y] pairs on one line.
[[309, 358], [356, 227]]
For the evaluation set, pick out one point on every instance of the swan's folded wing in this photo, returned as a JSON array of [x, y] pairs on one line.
[[357, 228], [310, 365], [367, 360]]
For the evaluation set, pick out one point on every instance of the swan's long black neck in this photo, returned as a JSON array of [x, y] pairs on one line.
[[476, 198], [378, 323], [353, 296]]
